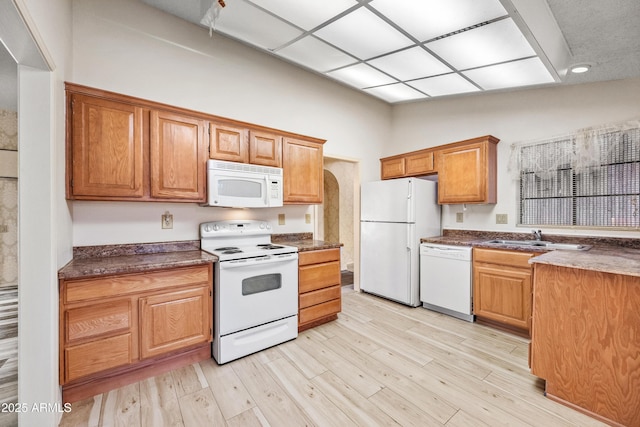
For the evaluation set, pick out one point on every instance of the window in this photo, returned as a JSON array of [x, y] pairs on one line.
[[585, 180]]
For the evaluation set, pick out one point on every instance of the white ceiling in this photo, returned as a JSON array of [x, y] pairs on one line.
[[465, 46]]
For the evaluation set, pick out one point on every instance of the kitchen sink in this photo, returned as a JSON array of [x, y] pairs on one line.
[[540, 244]]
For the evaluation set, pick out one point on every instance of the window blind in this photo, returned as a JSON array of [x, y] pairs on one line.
[[558, 187]]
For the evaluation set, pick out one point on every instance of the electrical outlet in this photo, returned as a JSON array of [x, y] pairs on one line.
[[167, 220], [307, 218], [459, 216], [280, 219], [502, 218]]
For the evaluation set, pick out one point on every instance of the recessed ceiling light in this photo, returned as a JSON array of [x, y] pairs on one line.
[[581, 68]]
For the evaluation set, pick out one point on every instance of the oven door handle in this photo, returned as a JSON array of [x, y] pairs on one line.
[[257, 261]]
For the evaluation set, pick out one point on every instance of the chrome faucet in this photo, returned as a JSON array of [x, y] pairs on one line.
[[537, 234]]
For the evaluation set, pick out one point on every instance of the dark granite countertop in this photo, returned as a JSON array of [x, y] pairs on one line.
[[607, 254], [304, 241], [133, 258]]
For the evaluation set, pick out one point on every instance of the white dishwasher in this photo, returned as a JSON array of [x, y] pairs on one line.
[[445, 279]]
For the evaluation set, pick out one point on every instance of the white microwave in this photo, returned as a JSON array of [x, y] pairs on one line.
[[241, 185]]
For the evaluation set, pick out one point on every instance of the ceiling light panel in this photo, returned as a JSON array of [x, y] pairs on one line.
[[306, 14], [426, 19], [496, 42], [449, 84], [361, 76], [245, 22], [363, 34], [410, 64], [526, 72], [316, 54], [395, 93]]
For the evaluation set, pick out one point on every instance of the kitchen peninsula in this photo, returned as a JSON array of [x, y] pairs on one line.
[[585, 322]]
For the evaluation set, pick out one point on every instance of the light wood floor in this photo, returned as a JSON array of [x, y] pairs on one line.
[[379, 364]]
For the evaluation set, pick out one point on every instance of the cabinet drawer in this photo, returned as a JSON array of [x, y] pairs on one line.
[[321, 295], [318, 276], [104, 287], [97, 356], [503, 257], [318, 311], [317, 257], [97, 320]]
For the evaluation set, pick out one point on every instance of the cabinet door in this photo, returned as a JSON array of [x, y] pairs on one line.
[[303, 171], [419, 164], [265, 149], [107, 149], [174, 320], [462, 175], [467, 173], [392, 168], [502, 294], [228, 143], [178, 157]]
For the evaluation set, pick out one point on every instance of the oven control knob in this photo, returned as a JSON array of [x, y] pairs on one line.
[[207, 228], [262, 225], [268, 226], [216, 227]]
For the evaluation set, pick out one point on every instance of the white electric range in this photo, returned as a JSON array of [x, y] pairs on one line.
[[255, 288]]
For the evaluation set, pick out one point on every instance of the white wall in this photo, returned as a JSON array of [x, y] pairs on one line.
[[512, 117], [128, 47], [44, 219]]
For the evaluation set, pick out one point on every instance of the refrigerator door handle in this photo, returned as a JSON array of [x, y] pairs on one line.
[[410, 214], [409, 236]]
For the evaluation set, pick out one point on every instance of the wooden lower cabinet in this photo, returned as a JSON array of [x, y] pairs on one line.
[[320, 294], [585, 341], [119, 329], [502, 291]]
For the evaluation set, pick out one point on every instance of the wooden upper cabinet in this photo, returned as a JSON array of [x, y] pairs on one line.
[[467, 172], [265, 149], [415, 163], [392, 168], [228, 143], [178, 156], [105, 149], [420, 163], [303, 171]]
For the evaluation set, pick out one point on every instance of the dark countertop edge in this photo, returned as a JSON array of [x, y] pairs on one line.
[[134, 249], [304, 242], [605, 257], [127, 264]]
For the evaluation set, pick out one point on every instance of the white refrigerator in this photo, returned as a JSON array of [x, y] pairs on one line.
[[394, 215]]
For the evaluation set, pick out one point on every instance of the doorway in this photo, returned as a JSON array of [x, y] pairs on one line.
[[338, 218]]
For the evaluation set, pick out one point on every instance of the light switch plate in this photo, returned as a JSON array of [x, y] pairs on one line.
[[502, 218], [459, 216], [281, 219], [307, 218], [167, 220]]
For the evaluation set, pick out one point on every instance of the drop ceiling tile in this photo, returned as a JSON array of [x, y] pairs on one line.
[[363, 34], [449, 84], [361, 76], [496, 42], [316, 54], [245, 22], [410, 64], [526, 72], [426, 19], [306, 14], [396, 92]]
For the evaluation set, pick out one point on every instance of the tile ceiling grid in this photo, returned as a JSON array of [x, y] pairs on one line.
[[328, 39]]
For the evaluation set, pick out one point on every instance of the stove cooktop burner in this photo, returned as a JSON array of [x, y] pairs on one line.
[[232, 251], [226, 248], [269, 246]]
